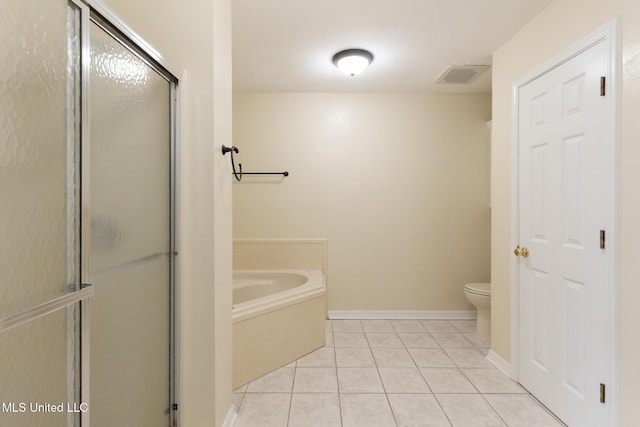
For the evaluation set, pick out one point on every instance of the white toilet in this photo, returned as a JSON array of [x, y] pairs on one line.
[[479, 294]]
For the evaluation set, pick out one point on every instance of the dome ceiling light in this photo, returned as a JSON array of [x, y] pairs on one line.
[[352, 61]]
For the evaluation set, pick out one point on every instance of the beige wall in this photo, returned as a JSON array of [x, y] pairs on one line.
[[559, 26], [397, 183], [194, 35]]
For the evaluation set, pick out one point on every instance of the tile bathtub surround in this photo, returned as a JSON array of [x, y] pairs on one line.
[[391, 373]]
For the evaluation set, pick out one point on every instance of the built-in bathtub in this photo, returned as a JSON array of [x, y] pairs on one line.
[[278, 317]]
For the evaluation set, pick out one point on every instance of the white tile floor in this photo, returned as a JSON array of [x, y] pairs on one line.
[[391, 373]]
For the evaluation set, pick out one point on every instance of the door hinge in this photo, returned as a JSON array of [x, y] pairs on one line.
[[603, 85], [174, 407], [602, 393], [602, 239]]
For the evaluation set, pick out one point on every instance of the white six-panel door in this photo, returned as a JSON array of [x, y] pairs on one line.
[[564, 173]]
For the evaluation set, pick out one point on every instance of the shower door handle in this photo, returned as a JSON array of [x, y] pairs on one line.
[[86, 290]]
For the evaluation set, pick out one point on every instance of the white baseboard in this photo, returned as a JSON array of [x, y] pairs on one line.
[[499, 362], [402, 314], [232, 415]]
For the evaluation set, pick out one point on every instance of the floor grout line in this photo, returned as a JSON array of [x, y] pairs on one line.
[[335, 359]]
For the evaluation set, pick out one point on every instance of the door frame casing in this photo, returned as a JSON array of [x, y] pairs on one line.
[[608, 34]]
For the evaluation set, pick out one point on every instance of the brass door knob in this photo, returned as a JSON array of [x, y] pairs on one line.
[[518, 251]]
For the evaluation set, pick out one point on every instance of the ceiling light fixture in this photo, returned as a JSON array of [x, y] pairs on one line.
[[352, 61]]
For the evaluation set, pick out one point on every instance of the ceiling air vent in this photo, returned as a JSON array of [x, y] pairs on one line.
[[461, 74]]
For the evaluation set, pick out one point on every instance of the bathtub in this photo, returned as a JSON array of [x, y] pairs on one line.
[[278, 317]]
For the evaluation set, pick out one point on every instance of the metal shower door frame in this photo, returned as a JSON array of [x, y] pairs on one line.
[[93, 11]]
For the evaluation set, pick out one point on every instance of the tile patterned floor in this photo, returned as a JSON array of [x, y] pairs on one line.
[[391, 373]]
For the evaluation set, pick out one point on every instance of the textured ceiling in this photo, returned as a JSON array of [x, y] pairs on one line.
[[287, 45]]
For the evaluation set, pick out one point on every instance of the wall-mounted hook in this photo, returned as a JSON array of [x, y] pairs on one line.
[[233, 149]]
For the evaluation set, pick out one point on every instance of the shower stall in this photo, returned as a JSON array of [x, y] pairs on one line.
[[87, 183]]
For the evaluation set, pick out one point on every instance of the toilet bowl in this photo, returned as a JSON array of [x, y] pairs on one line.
[[479, 294]]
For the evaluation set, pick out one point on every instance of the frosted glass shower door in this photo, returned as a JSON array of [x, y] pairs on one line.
[[130, 266], [39, 212]]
